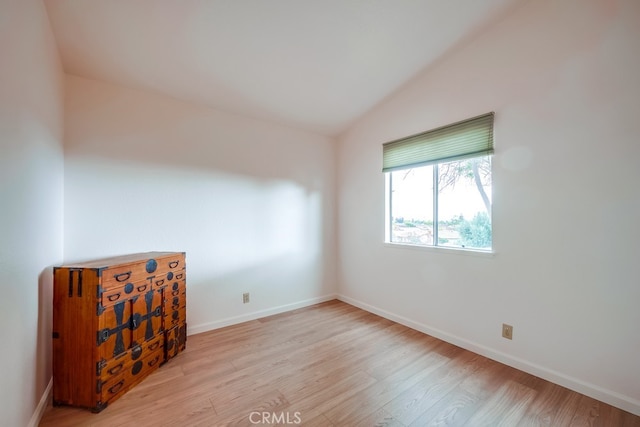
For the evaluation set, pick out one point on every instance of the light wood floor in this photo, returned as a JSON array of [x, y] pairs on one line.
[[335, 365]]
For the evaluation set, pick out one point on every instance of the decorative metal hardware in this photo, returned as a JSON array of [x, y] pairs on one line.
[[122, 276]]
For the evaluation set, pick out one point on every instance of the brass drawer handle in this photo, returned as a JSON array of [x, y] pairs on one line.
[[179, 276], [116, 387], [142, 288], [159, 282], [154, 346], [122, 276], [174, 264], [114, 297], [116, 369]]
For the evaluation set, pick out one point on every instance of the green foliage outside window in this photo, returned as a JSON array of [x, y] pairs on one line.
[[477, 232]]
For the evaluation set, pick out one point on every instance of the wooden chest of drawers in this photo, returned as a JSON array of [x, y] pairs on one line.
[[115, 320]]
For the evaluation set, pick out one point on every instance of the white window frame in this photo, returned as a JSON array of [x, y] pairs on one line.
[[436, 183]]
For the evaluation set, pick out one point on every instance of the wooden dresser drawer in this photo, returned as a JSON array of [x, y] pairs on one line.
[[177, 302], [172, 279], [173, 318], [114, 295], [131, 374], [107, 369], [119, 275]]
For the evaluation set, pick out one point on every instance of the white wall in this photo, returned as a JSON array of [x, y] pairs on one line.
[[251, 203], [562, 78], [31, 180]]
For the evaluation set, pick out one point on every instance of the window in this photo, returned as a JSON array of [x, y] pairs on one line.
[[439, 186]]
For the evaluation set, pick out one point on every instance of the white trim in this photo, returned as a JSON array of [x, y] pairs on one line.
[[204, 327], [613, 398], [42, 406]]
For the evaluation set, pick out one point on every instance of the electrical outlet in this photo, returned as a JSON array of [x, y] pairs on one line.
[[507, 331], [245, 297]]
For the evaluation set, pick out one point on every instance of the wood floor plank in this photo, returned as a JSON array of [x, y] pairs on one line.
[[239, 411], [408, 346], [380, 418], [456, 407], [543, 410], [567, 409], [320, 401], [505, 408], [453, 410], [333, 364], [417, 400], [587, 413], [352, 410]]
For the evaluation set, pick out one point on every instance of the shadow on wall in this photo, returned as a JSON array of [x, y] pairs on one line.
[[237, 220]]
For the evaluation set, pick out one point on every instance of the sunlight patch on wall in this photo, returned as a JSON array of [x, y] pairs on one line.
[[225, 222]]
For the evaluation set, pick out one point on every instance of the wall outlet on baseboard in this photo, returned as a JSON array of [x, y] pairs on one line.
[[245, 298], [507, 331]]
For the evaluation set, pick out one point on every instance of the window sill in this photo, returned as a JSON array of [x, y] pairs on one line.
[[443, 250]]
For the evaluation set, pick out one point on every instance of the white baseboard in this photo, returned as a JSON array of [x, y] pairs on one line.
[[204, 327], [42, 406], [618, 400]]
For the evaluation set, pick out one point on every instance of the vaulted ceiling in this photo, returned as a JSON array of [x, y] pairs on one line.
[[312, 64]]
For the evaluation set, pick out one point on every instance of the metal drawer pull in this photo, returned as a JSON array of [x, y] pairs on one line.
[[122, 276], [174, 264], [116, 369], [159, 282], [141, 288], [179, 276], [116, 388], [154, 361], [114, 297], [154, 346]]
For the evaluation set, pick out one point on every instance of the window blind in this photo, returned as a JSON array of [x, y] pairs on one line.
[[468, 138]]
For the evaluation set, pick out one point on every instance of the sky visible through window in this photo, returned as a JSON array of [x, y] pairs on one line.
[[464, 219], [464, 201]]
